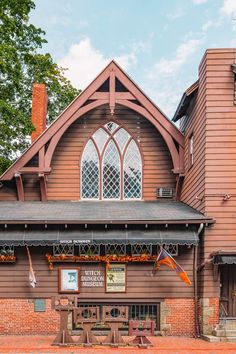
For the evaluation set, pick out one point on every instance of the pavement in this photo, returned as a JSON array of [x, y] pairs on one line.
[[161, 345]]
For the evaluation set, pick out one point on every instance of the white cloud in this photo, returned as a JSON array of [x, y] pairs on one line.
[[210, 24], [84, 62], [166, 79], [229, 8], [166, 67], [175, 15], [198, 2]]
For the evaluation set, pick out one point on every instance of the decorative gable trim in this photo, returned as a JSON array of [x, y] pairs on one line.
[[111, 87]]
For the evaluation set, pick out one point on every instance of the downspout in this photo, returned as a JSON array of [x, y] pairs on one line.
[[196, 316]]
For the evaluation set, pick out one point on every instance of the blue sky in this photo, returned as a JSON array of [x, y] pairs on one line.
[[159, 43]]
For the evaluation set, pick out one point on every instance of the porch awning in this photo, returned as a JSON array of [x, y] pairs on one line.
[[50, 237], [224, 259]]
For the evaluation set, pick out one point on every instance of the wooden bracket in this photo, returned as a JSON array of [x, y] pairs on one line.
[[41, 157], [43, 187], [112, 97], [215, 272], [19, 187], [179, 186]]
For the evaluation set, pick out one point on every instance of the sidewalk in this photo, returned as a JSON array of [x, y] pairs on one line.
[[162, 345]]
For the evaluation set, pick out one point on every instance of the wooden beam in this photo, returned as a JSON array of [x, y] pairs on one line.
[[112, 98], [41, 157], [165, 135], [19, 187], [34, 170], [179, 185], [43, 187], [55, 139], [105, 96]]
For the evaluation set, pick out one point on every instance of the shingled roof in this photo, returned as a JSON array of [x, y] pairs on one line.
[[60, 212]]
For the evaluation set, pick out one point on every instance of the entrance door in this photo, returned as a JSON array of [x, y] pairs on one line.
[[228, 290]]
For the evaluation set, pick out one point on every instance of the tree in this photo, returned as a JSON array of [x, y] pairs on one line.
[[20, 66]]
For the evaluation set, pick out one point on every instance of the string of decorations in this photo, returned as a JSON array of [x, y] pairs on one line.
[[104, 259], [7, 258]]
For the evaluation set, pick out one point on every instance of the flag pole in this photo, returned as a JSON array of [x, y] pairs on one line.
[[32, 279]]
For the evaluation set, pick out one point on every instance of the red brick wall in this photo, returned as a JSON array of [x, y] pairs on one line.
[[39, 110], [18, 317], [208, 314], [177, 317]]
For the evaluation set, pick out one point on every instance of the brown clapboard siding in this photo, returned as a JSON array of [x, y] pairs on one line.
[[64, 180], [215, 112], [220, 153], [194, 182], [141, 283]]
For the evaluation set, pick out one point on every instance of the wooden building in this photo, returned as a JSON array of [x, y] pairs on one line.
[[207, 115], [107, 184]]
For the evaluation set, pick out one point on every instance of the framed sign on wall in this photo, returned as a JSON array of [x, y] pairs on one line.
[[116, 278], [69, 280]]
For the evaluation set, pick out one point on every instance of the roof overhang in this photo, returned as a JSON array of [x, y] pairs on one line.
[[100, 212], [185, 101]]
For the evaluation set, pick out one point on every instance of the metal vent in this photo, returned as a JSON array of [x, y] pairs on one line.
[[164, 192]]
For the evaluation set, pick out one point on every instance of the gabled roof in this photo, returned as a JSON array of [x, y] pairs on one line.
[[111, 87]]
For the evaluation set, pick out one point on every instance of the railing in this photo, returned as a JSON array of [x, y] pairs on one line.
[[223, 311]]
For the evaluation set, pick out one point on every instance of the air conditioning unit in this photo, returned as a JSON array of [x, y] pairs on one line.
[[165, 192]]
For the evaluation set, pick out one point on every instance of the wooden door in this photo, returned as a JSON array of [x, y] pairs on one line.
[[228, 290]]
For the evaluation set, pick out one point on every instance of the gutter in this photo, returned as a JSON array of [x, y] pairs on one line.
[[195, 275]]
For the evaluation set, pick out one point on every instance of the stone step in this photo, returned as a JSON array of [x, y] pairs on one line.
[[209, 338], [228, 339], [224, 333], [214, 339], [228, 322]]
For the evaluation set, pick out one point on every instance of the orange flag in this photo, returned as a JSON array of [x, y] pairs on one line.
[[165, 258]]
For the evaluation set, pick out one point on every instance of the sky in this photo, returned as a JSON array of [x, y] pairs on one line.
[[159, 43]]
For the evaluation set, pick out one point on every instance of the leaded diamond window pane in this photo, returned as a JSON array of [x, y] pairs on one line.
[[111, 172], [7, 251], [100, 137], [63, 248], [89, 250], [132, 172], [137, 249], [172, 249], [111, 126], [90, 172], [122, 137], [115, 249]]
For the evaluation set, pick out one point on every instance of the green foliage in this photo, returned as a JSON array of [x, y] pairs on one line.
[[20, 66]]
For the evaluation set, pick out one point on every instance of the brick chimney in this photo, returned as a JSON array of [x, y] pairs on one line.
[[39, 110]]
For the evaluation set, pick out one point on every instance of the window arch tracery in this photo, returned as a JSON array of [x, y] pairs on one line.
[[111, 165]]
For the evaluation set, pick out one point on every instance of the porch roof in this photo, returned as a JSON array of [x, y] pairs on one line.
[[100, 212]]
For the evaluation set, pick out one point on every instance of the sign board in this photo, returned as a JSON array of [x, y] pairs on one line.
[[116, 278], [39, 305], [92, 278], [69, 280]]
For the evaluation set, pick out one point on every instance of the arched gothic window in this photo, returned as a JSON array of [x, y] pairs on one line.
[[111, 165]]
